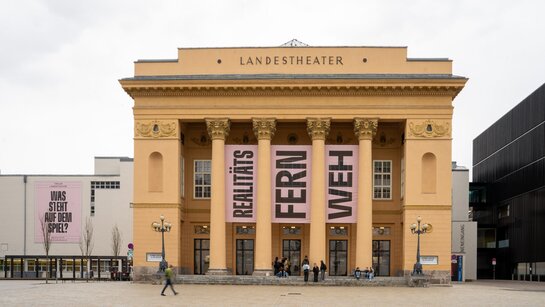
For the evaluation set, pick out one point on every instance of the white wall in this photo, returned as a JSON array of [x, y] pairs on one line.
[[464, 231], [11, 214], [460, 194], [112, 206]]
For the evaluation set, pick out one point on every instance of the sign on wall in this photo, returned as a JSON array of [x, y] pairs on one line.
[[59, 205], [291, 179], [291, 171], [341, 183], [240, 183]]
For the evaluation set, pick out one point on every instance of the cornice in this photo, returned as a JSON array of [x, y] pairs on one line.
[[426, 207], [156, 205], [144, 90]]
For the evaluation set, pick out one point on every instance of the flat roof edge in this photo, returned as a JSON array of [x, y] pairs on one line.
[[294, 76]]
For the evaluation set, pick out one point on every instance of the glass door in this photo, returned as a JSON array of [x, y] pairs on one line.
[[338, 257], [201, 256], [381, 257], [291, 249], [245, 256]]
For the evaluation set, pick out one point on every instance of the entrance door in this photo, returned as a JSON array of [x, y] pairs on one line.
[[245, 256], [201, 256], [338, 257], [381, 257], [291, 249]]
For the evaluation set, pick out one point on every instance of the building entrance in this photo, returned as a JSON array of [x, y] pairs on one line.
[[291, 249], [201, 256], [381, 257], [338, 257], [245, 256]]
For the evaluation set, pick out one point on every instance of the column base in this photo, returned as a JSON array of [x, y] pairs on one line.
[[263, 272], [217, 272]]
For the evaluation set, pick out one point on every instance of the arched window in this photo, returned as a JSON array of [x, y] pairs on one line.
[[429, 173], [155, 172]]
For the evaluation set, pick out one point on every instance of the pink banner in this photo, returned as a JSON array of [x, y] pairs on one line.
[[240, 183], [58, 204], [290, 168], [342, 183]]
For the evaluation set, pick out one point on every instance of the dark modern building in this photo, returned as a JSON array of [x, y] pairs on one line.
[[508, 193]]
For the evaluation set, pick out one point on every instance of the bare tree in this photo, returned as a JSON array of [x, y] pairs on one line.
[[116, 240], [86, 243], [46, 236]]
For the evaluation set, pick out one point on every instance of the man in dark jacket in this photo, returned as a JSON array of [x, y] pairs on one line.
[[315, 270], [323, 268]]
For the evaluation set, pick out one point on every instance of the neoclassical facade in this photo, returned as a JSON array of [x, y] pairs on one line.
[[325, 152]]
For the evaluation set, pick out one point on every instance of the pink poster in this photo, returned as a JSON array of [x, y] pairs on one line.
[[58, 205], [240, 183], [290, 168], [342, 183]]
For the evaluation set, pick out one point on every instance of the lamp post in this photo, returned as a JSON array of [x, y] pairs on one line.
[[416, 229], [162, 228]]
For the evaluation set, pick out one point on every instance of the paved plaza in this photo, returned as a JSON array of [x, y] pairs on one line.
[[482, 293]]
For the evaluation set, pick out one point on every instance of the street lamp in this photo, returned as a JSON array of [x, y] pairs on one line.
[[162, 228], [417, 270]]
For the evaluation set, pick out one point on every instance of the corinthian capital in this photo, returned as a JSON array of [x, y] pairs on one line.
[[365, 128], [318, 128], [264, 128], [218, 128]]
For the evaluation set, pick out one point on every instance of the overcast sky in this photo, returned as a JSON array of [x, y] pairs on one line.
[[60, 61]]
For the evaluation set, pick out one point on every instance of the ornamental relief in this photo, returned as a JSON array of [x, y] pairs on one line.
[[155, 128], [429, 129]]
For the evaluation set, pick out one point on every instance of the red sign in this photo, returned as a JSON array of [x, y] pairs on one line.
[[493, 261]]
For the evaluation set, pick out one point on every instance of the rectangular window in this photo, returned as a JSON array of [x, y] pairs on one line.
[[486, 238], [503, 212], [202, 179], [382, 179]]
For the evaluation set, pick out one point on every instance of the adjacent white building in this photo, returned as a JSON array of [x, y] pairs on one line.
[[464, 230], [67, 202]]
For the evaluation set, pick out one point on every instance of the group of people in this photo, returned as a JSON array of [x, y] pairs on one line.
[[282, 268], [368, 273]]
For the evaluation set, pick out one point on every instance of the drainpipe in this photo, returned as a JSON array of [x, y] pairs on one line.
[[24, 217]]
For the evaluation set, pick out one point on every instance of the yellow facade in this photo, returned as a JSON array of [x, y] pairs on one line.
[[392, 108]]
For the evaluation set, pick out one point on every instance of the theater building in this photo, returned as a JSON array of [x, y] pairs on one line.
[[325, 152]]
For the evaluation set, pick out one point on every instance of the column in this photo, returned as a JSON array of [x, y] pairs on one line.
[[264, 129], [318, 129], [218, 129], [365, 129]]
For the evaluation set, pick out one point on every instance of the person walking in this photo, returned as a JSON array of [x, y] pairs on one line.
[[168, 276], [323, 268], [315, 270], [306, 270]]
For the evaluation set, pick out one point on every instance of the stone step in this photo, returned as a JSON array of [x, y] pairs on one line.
[[291, 281]]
